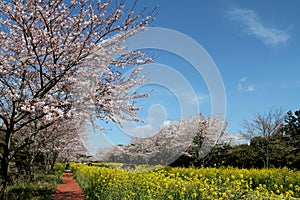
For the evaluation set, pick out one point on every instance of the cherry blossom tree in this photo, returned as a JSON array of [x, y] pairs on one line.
[[63, 142], [48, 51], [60, 141], [195, 136]]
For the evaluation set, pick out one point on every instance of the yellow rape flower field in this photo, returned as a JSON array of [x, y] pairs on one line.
[[187, 183]]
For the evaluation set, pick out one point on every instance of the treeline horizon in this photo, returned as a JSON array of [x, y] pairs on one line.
[[277, 146], [274, 141]]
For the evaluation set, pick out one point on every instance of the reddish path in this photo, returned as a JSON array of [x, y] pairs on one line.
[[69, 190]]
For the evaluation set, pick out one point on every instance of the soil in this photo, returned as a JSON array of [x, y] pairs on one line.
[[69, 189]]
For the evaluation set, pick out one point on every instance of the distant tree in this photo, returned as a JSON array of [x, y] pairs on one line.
[[193, 137], [219, 156], [63, 140], [209, 138], [292, 127], [243, 156], [291, 130], [264, 127]]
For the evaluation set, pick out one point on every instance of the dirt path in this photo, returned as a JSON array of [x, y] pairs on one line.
[[69, 190]]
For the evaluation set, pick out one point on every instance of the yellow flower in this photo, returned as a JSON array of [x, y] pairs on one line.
[[190, 183], [194, 195]]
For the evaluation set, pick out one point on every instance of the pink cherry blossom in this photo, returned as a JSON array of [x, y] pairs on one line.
[[61, 59]]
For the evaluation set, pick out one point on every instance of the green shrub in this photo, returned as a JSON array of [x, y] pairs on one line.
[[46, 178], [58, 172], [99, 164], [43, 187], [31, 191]]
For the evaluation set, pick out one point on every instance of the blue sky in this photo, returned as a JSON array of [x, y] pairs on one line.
[[255, 46]]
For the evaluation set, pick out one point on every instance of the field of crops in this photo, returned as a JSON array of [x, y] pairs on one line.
[[188, 183]]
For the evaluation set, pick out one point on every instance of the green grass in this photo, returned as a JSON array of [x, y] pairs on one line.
[[42, 188]]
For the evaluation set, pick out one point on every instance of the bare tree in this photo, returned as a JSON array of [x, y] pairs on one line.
[[264, 126]]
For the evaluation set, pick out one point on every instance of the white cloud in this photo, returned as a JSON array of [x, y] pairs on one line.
[[235, 139], [142, 131], [250, 88], [243, 87], [254, 25], [243, 79], [240, 87]]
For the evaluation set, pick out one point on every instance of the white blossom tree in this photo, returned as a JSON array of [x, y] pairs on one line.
[[61, 141], [48, 49], [195, 136]]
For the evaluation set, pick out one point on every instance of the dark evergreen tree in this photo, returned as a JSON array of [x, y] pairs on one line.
[[291, 131]]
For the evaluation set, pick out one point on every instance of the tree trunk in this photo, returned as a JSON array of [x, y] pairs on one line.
[[4, 171], [30, 170], [267, 158], [5, 163], [54, 159], [46, 163]]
